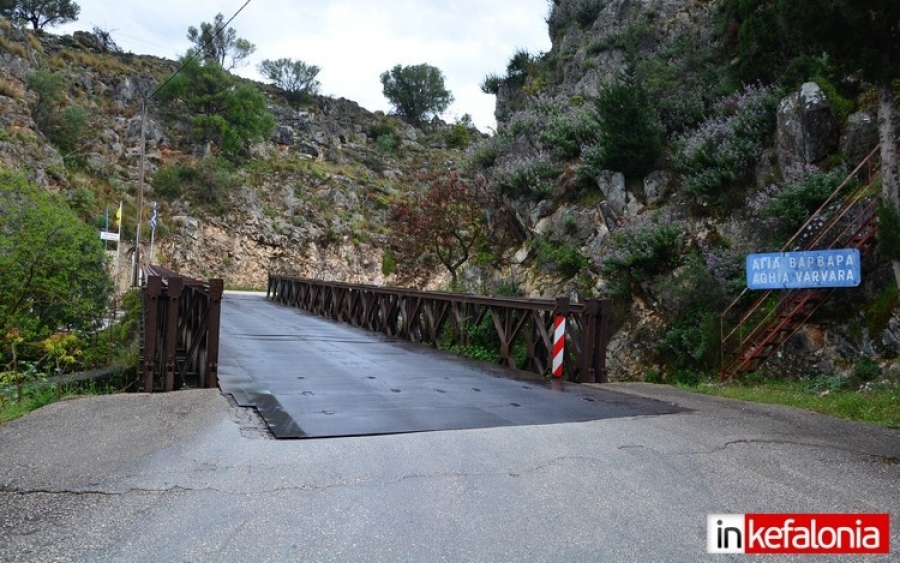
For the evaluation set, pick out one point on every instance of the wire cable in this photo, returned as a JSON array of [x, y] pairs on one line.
[[199, 51]]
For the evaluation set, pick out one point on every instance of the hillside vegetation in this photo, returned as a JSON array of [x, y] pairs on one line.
[[640, 159]]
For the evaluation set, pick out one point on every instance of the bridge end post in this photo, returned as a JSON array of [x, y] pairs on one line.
[[152, 292], [211, 368], [175, 287]]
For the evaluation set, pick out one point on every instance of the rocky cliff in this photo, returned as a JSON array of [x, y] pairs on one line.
[[311, 201], [661, 233], [665, 234]]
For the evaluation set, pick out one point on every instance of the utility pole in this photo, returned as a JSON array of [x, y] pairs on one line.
[[136, 258]]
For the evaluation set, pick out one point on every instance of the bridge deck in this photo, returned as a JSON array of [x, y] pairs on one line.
[[312, 378]]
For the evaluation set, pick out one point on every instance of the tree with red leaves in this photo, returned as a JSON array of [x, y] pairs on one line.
[[442, 226]]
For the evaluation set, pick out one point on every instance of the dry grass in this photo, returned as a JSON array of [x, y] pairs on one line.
[[103, 63], [11, 89], [34, 42], [11, 46]]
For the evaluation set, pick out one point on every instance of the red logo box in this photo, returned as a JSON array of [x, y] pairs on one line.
[[804, 534]]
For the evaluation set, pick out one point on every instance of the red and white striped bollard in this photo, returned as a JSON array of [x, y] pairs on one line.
[[559, 345]]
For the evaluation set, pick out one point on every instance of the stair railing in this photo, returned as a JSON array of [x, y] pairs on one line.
[[860, 205]]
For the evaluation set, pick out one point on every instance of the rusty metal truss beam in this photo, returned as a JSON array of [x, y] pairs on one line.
[[180, 330], [520, 331]]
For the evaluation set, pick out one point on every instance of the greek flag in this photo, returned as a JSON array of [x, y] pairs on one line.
[[153, 219]]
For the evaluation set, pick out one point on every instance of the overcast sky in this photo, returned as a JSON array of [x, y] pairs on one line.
[[352, 41]]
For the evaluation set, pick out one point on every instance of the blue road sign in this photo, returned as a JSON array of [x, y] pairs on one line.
[[804, 269]]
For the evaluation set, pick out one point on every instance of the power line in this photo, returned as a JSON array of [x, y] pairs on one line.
[[200, 50], [140, 205]]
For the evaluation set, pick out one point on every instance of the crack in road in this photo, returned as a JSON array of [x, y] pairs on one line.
[[306, 487]]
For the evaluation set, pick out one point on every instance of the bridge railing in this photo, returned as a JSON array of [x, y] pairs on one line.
[[519, 330], [180, 327]]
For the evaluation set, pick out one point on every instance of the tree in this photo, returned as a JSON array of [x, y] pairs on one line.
[[60, 122], [40, 12], [52, 267], [860, 37], [416, 91], [215, 43], [226, 111], [296, 78], [441, 226]]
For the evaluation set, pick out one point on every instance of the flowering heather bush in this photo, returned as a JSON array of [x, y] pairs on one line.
[[565, 132], [526, 176], [639, 251], [722, 151], [726, 267]]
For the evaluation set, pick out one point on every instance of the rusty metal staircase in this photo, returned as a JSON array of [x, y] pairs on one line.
[[847, 219]]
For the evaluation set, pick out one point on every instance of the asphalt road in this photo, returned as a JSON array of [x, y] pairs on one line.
[[188, 477]]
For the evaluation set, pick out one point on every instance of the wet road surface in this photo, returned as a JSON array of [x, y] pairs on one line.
[[313, 378]]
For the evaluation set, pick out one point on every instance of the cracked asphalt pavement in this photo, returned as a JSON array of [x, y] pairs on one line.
[[188, 476]]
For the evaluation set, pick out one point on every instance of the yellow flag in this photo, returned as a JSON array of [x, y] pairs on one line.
[[118, 222]]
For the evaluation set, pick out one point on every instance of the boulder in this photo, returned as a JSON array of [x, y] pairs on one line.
[[620, 204], [807, 129], [860, 136], [657, 186], [283, 135]]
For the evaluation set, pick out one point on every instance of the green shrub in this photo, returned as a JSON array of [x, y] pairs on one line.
[[62, 123], [586, 12], [791, 206], [630, 137], [386, 144], [639, 251], [492, 84], [508, 287], [691, 343], [690, 300], [483, 343], [170, 181], [841, 106], [865, 369], [209, 182], [686, 378], [223, 110], [565, 259], [487, 153], [53, 273], [388, 263], [459, 136]]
